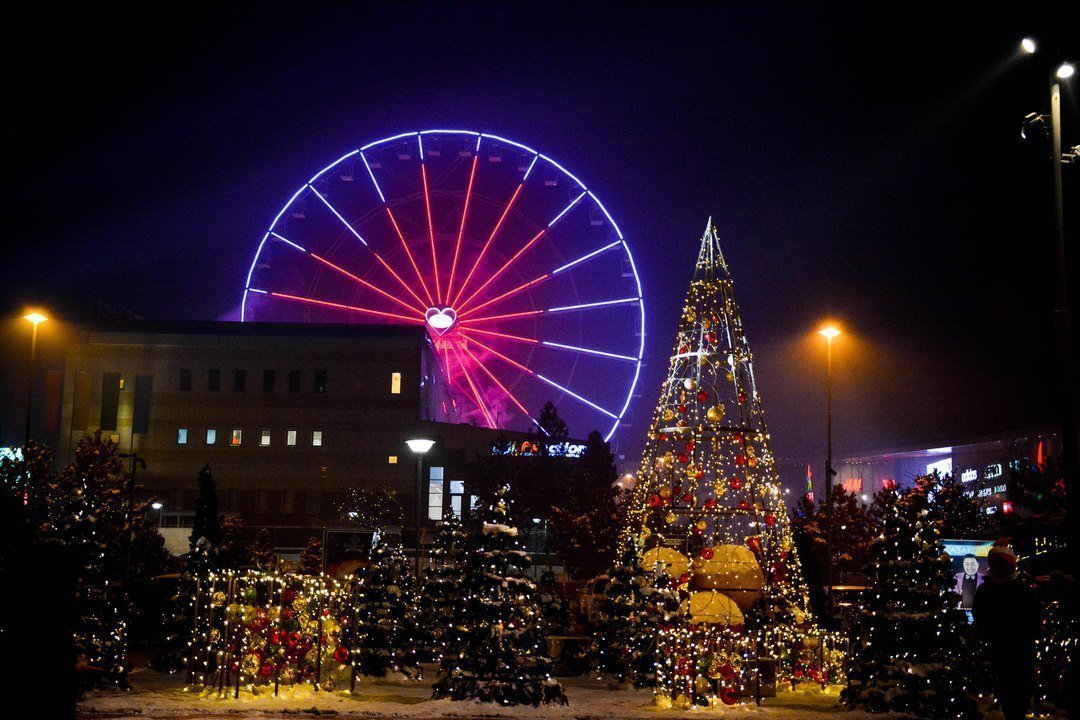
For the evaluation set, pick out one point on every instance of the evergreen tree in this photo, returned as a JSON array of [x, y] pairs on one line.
[[634, 608], [501, 656], [960, 514], [441, 595], [554, 608], [586, 517], [550, 424], [262, 551], [311, 558], [854, 528], [912, 651], [384, 635], [235, 552]]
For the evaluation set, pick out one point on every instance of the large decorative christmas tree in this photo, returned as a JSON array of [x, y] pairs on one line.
[[707, 506], [913, 649], [441, 595], [501, 652]]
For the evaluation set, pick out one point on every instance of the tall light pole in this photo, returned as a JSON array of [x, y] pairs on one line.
[[828, 332], [36, 318], [1062, 320], [419, 447]]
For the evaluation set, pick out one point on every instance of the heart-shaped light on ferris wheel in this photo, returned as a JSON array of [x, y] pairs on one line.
[[440, 320]]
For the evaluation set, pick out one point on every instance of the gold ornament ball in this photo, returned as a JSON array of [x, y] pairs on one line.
[[689, 383], [708, 607], [670, 518], [701, 525], [217, 599], [715, 413], [665, 492], [733, 570], [669, 415]]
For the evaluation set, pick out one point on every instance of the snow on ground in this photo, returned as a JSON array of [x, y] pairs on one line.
[[157, 695]]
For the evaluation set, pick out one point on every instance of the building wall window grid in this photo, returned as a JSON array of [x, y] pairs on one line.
[[185, 379]]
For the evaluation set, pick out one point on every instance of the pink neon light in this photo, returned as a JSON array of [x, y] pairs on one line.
[[339, 306], [516, 338], [505, 295], [498, 354], [496, 381], [500, 271], [507, 316], [461, 231], [366, 284], [431, 232], [476, 393], [483, 250], [393, 221]]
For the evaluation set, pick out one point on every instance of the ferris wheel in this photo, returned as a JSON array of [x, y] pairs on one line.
[[520, 276]]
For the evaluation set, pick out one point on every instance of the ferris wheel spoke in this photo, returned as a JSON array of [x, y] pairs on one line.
[[573, 394], [506, 294], [464, 214], [565, 308], [408, 253], [583, 258], [507, 316], [431, 226], [475, 392], [587, 351], [521, 252], [348, 274], [365, 243], [496, 353], [495, 380], [505, 336], [487, 244], [338, 306]]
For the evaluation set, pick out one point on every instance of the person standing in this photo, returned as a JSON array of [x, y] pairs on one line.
[[1007, 617]]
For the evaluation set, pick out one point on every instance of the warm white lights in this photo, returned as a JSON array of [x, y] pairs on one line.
[[1028, 45], [1065, 71], [420, 446]]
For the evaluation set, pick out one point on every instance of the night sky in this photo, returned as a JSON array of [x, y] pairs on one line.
[[861, 162]]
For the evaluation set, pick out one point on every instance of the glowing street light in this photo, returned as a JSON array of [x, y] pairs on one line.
[[828, 332], [419, 447], [1065, 71], [1028, 45], [36, 318]]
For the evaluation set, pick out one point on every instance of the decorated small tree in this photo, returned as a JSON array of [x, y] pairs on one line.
[[384, 634], [912, 649], [441, 595], [501, 654], [311, 559]]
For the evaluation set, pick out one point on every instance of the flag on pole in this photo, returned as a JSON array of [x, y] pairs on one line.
[[809, 483]]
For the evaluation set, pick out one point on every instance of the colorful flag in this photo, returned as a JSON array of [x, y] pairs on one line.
[[809, 483]]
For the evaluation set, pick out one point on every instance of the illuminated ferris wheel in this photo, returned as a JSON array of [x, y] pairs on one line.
[[523, 281]]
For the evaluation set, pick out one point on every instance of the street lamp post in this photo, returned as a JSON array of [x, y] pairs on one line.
[[419, 447], [36, 318], [829, 333]]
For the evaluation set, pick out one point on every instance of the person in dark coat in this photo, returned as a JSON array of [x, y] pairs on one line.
[[1007, 617]]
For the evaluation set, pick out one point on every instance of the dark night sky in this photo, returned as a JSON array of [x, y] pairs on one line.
[[860, 161]]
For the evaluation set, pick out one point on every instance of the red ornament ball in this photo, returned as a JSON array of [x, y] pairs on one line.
[[689, 446], [735, 483], [684, 578], [727, 671], [744, 504], [742, 396], [682, 408], [710, 503], [729, 695], [703, 396], [740, 459], [654, 501], [707, 553], [770, 520], [699, 473], [341, 654], [266, 670], [687, 497], [684, 458], [292, 639]]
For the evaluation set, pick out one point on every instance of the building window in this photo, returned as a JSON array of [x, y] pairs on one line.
[[395, 383], [316, 438], [435, 493], [457, 492], [392, 460], [288, 502], [320, 382], [290, 438], [211, 436], [213, 380], [181, 436], [237, 438], [264, 439], [294, 381], [313, 503], [121, 382], [262, 501], [185, 379], [115, 438], [240, 381], [268, 381]]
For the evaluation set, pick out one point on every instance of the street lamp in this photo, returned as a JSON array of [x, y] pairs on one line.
[[157, 508], [419, 447], [36, 318], [828, 332]]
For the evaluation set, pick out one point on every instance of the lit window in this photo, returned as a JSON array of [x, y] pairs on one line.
[[211, 436], [114, 438], [264, 439], [395, 383], [316, 438], [237, 438], [392, 460], [290, 438], [457, 492], [181, 436], [121, 382], [435, 499]]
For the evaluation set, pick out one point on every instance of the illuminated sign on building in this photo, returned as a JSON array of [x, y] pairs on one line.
[[534, 448], [11, 453], [941, 467], [969, 475], [992, 471]]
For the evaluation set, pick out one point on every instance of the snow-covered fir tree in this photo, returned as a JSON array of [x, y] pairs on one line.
[[441, 595], [383, 635], [502, 654], [912, 650]]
